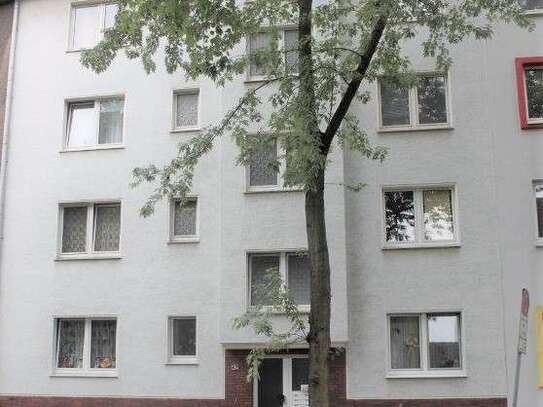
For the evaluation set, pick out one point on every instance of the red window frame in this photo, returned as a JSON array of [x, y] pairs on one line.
[[520, 64]]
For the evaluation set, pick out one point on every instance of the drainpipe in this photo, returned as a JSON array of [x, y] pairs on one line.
[[7, 122]]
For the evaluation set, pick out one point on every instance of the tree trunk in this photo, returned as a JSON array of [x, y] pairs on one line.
[[319, 318]]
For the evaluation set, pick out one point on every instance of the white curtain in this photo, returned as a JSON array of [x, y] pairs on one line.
[[111, 121], [186, 110], [107, 228], [74, 229], [185, 218], [103, 337], [71, 335], [404, 342]]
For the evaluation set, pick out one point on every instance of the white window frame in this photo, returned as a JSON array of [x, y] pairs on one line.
[[425, 371], [184, 238], [280, 186], [283, 271], [86, 371], [281, 48], [535, 11], [183, 129], [287, 377], [172, 359], [101, 21], [419, 242], [90, 253], [538, 239], [530, 120], [97, 100], [414, 124]]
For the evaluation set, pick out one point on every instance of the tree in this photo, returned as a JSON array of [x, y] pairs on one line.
[[303, 101]]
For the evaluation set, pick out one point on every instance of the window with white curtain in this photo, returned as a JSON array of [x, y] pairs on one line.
[[184, 220], [86, 346], [182, 340], [89, 229], [419, 216], [263, 41], [186, 109], [533, 78], [93, 123], [423, 106], [428, 342], [292, 268], [89, 22]]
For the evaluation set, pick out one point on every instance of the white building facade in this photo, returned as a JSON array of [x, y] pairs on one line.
[[428, 261]]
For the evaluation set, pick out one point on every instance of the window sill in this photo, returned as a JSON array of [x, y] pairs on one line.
[[433, 245], [85, 373], [535, 12], [384, 130], [94, 148], [186, 130], [262, 190], [303, 309], [539, 243], [74, 257], [182, 361], [438, 374], [181, 240]]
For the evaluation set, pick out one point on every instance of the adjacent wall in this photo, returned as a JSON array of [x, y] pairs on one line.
[[6, 17]]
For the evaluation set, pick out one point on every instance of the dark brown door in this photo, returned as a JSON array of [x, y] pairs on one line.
[[270, 385]]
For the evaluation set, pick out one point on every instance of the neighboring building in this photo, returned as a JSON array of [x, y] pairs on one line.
[[428, 260]]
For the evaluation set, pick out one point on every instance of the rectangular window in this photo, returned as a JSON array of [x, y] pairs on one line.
[[419, 216], [89, 22], [86, 346], [293, 270], [529, 71], [261, 42], [423, 106], [94, 123], [531, 5], [186, 110], [182, 348], [428, 343], [538, 189], [90, 229], [263, 171], [184, 220]]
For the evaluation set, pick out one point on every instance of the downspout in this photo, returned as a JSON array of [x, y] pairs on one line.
[[7, 123]]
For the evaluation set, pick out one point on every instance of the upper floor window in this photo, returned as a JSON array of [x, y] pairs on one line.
[[530, 91], [184, 220], [426, 105], [89, 229], [419, 217], [182, 347], [294, 269], [186, 110], [94, 123], [425, 344], [531, 5], [89, 21], [86, 346], [262, 41]]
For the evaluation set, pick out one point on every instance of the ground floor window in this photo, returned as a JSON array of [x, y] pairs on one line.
[[85, 345], [426, 343]]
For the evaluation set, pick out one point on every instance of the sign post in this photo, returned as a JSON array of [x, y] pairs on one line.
[[522, 340]]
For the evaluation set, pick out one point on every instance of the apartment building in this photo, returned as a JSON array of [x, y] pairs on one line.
[[99, 306]]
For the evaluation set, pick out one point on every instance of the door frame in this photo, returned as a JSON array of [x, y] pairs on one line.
[[287, 377]]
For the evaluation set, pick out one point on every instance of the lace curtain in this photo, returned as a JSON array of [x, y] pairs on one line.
[[261, 168], [71, 335], [111, 121], [74, 229], [186, 110], [261, 267], [184, 337], [103, 338], [258, 42], [291, 49], [185, 218], [404, 343], [107, 228]]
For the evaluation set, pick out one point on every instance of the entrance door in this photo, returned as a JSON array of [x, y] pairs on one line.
[[283, 382]]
